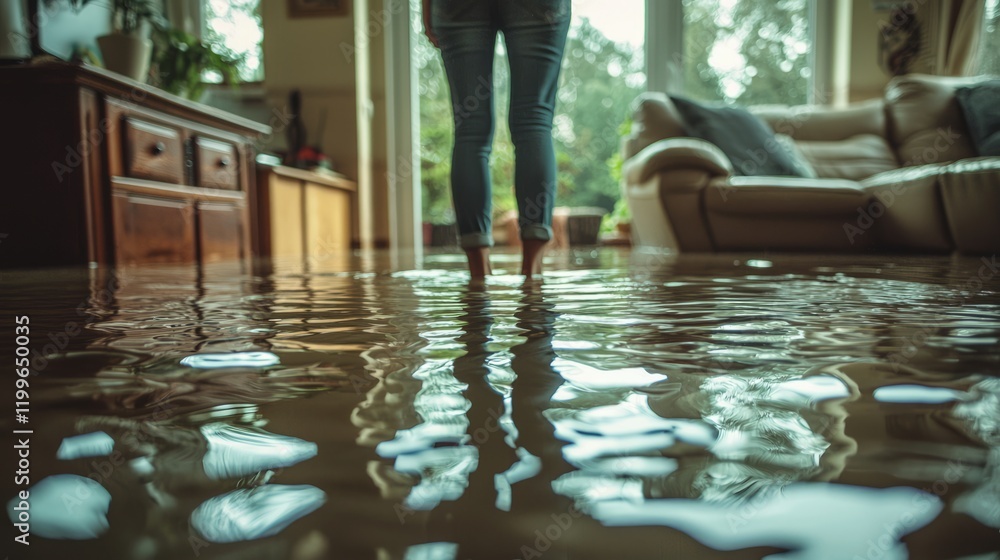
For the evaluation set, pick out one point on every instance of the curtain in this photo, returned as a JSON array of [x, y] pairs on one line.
[[932, 37], [960, 29]]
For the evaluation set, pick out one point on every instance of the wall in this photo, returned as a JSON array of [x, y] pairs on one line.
[[867, 79]]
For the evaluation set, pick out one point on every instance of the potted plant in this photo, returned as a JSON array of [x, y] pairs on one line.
[[128, 50], [182, 59]]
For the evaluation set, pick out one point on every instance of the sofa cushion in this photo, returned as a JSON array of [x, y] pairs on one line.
[[925, 122], [744, 138], [784, 214], [982, 115], [822, 122], [855, 158], [654, 118]]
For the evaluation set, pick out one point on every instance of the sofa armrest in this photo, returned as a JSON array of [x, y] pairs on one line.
[[677, 154], [654, 117]]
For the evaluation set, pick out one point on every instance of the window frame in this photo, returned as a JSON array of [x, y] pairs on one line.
[[665, 43], [196, 9]]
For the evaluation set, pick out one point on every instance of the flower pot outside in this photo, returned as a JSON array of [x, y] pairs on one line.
[[444, 235], [127, 55], [583, 225]]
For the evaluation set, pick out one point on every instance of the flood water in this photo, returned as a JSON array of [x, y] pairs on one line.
[[628, 406]]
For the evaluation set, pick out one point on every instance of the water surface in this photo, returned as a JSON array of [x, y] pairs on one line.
[[628, 406]]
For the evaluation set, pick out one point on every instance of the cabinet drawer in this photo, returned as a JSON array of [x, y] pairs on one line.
[[152, 229], [153, 152], [217, 164]]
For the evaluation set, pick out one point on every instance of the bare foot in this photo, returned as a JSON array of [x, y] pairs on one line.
[[531, 265], [479, 262]]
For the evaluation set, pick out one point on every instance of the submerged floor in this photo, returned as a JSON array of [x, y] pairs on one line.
[[628, 406]]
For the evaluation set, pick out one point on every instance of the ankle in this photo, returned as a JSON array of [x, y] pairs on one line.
[[479, 262], [533, 250]]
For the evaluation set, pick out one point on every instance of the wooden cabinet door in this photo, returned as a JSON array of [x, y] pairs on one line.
[[328, 220], [221, 231], [287, 222], [152, 229]]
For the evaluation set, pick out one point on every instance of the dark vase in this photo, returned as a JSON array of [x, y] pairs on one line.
[[295, 134]]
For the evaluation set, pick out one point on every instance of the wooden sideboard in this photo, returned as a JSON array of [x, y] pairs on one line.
[[101, 169], [302, 214]]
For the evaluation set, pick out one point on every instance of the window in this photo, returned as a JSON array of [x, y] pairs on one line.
[[737, 51], [747, 51], [989, 45], [235, 27]]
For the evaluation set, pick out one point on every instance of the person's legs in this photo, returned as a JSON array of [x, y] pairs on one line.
[[535, 33], [467, 35]]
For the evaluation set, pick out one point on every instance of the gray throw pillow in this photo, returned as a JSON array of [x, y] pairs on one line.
[[980, 105], [745, 138]]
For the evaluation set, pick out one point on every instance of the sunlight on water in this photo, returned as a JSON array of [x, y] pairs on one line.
[[625, 406]]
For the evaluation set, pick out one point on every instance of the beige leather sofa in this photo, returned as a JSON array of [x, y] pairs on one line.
[[892, 174]]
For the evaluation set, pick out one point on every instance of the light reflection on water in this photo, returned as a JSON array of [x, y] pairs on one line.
[[627, 406]]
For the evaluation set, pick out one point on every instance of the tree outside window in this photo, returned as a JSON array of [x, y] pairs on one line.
[[235, 30]]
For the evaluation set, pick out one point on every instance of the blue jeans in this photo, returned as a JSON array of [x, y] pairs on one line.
[[535, 34]]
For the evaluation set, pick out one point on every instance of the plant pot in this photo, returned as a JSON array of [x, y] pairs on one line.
[[444, 235], [128, 55], [583, 225]]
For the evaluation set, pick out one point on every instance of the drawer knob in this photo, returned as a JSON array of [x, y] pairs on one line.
[[225, 162], [158, 148]]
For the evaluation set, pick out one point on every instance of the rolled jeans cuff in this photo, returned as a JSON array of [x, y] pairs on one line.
[[537, 232], [476, 240]]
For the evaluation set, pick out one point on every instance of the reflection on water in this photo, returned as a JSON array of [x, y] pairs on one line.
[[809, 519], [97, 444], [63, 506], [249, 514], [235, 451], [629, 406]]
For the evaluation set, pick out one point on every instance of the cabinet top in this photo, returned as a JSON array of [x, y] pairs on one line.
[[330, 180], [61, 73]]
